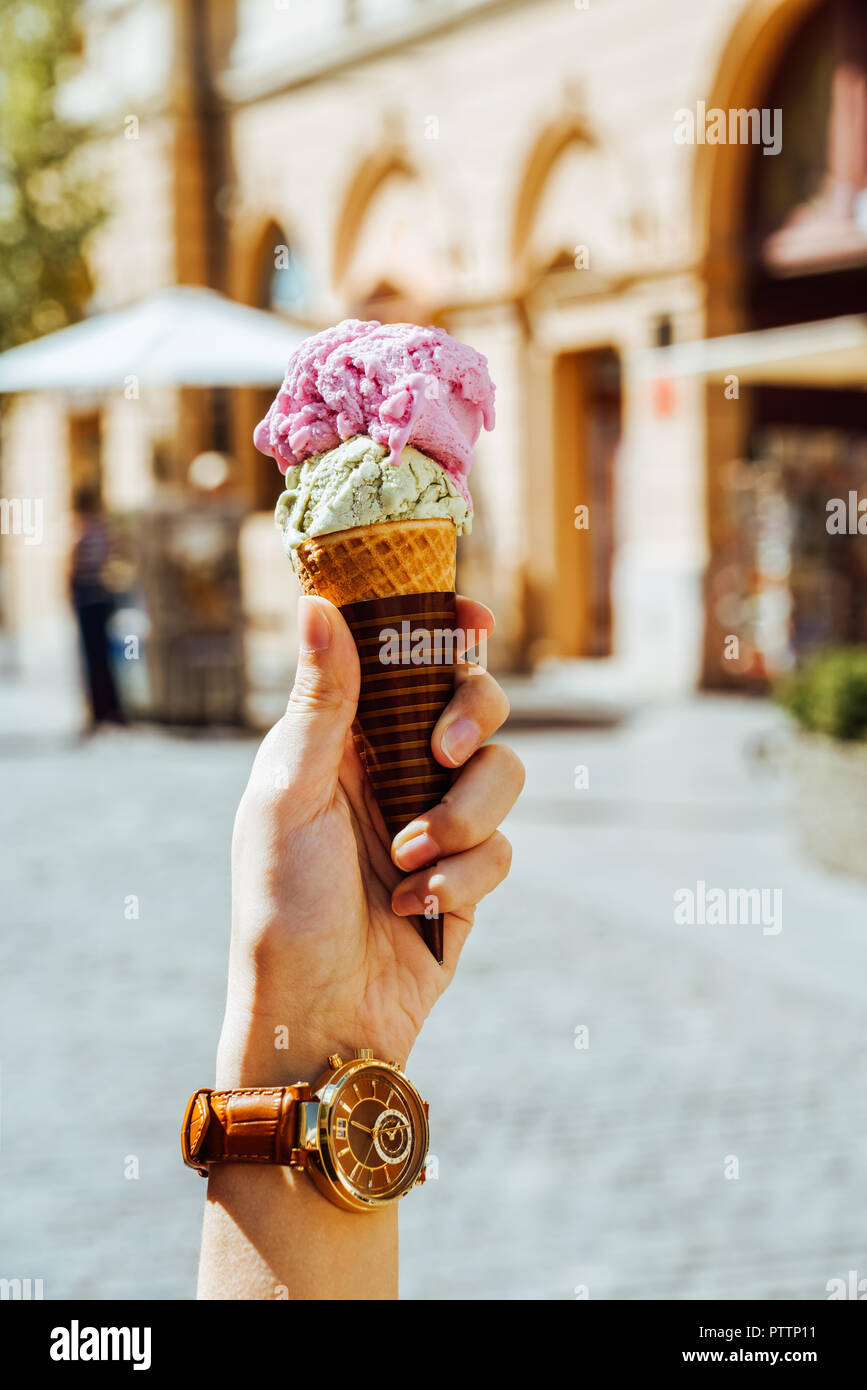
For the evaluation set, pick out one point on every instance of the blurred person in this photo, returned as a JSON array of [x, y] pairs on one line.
[[93, 602], [321, 948]]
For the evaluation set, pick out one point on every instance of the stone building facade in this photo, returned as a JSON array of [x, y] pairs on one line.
[[511, 171]]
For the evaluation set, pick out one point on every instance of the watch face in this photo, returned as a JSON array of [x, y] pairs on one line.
[[377, 1134]]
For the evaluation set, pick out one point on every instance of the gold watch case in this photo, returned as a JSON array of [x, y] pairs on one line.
[[399, 1117]]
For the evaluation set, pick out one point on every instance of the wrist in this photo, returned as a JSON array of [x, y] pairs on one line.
[[268, 1037], [257, 1051], [273, 1049], [274, 1038]]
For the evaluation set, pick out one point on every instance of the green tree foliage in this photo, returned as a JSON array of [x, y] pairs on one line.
[[48, 201]]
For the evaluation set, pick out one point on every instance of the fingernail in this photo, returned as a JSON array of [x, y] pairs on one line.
[[460, 739], [314, 629], [409, 832], [417, 852], [407, 904]]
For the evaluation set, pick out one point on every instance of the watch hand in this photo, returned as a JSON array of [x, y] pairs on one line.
[[358, 1125]]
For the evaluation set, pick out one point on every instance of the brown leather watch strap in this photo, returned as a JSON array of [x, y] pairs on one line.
[[256, 1124]]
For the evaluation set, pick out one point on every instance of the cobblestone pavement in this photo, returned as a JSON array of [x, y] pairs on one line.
[[601, 1168]]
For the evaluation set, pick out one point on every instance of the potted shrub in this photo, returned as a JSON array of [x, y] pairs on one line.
[[827, 699]]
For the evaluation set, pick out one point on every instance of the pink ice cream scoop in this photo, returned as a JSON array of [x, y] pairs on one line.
[[396, 382]]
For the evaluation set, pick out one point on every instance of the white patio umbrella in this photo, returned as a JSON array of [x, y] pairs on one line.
[[182, 336]]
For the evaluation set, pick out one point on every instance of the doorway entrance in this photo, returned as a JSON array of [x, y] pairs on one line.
[[790, 249], [587, 430]]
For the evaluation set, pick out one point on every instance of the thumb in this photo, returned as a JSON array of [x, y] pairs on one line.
[[324, 697]]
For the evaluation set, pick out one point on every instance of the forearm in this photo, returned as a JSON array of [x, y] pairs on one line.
[[268, 1233], [324, 965]]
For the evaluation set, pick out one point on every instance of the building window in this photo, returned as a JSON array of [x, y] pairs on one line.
[[283, 283]]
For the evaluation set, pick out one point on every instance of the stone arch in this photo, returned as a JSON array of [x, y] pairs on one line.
[[371, 175], [395, 227], [756, 39], [258, 250], [758, 36], [549, 146], [252, 246], [611, 221]]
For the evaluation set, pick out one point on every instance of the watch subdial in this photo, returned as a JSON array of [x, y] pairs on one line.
[[392, 1136]]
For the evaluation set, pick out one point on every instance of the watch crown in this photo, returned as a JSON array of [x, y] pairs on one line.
[[364, 1054], [335, 1061]]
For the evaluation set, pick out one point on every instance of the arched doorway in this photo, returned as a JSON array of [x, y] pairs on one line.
[[568, 213], [393, 240], [787, 245]]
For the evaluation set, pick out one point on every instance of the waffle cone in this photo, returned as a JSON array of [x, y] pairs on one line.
[[389, 557], [395, 576]]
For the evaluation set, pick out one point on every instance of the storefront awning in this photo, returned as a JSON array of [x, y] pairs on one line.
[[829, 353], [181, 336]]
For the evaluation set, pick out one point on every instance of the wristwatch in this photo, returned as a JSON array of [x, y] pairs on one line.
[[360, 1131]]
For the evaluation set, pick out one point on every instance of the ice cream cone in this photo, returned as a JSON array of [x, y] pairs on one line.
[[373, 424], [379, 561], [395, 577]]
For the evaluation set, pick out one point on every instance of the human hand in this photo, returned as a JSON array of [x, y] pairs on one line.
[[323, 958]]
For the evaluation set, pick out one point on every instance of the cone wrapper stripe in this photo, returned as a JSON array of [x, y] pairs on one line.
[[399, 706]]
